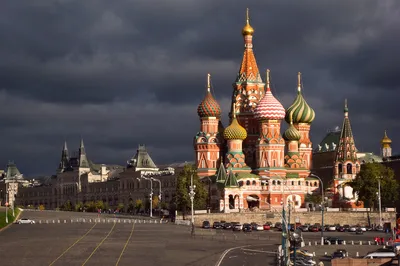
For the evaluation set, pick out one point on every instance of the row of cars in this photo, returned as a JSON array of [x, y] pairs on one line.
[[236, 226], [337, 228]]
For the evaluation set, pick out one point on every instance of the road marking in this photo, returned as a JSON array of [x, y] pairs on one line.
[[126, 244], [262, 251], [230, 249], [102, 241], [76, 242]]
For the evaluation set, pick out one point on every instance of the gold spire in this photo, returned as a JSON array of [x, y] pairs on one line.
[[386, 141], [267, 80], [247, 29], [208, 82], [299, 81], [234, 110]]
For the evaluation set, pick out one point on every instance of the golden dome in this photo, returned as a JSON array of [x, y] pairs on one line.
[[386, 140], [247, 29], [235, 130]]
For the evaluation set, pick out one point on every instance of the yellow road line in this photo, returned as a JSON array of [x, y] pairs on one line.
[[126, 244], [102, 241], [76, 242]]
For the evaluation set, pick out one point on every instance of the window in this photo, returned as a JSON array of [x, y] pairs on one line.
[[248, 183]]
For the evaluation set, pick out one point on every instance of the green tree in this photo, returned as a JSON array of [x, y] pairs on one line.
[[99, 205], [120, 207], [138, 205], [314, 198], [182, 190], [79, 206], [156, 202], [365, 185], [67, 206]]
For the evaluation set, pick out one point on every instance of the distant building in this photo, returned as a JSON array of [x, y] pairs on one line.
[[79, 180]]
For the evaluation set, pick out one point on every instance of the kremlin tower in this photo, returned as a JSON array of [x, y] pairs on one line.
[[252, 147], [386, 146]]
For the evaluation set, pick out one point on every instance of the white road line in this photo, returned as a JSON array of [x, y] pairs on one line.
[[223, 255], [262, 251]]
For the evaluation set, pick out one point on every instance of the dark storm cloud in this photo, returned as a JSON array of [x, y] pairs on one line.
[[129, 72]]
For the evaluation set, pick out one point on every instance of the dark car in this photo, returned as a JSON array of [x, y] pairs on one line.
[[338, 255], [341, 229], [217, 225], [228, 226], [359, 231], [206, 225], [333, 240], [247, 228], [313, 229]]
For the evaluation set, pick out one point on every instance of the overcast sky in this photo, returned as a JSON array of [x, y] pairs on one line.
[[123, 73]]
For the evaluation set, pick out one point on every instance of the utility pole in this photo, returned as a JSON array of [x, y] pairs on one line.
[[191, 195], [379, 202]]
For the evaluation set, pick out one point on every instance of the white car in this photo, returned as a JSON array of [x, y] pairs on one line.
[[25, 221], [332, 228], [260, 227], [363, 228]]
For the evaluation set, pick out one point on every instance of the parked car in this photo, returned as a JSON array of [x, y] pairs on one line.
[[341, 229], [331, 228], [267, 227], [217, 225], [237, 227], [228, 226], [339, 254], [363, 228], [352, 228], [206, 225], [259, 227], [359, 231], [247, 228], [314, 229], [25, 221]]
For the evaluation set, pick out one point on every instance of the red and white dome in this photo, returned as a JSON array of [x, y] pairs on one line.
[[269, 108]]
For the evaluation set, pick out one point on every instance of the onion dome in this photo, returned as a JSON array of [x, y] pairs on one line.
[[291, 134], [209, 107], [235, 130], [386, 140], [301, 111], [247, 29], [269, 108]]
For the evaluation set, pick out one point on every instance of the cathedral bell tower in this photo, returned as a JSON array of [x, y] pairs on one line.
[[386, 147], [208, 141]]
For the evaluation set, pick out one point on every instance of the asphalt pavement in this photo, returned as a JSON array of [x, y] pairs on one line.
[[107, 240]]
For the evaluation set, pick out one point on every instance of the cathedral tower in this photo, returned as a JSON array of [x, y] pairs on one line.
[[386, 146], [303, 116], [347, 165], [248, 90], [270, 146], [64, 161], [234, 134], [207, 142]]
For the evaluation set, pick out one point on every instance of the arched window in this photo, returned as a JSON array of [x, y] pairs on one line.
[[299, 183], [315, 184], [292, 183], [248, 182], [306, 183], [254, 183], [274, 182], [349, 168], [340, 168]]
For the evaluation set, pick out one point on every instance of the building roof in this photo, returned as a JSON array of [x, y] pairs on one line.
[[231, 180], [12, 172], [142, 160], [330, 141], [209, 107]]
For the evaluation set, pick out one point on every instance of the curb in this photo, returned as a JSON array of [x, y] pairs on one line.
[[16, 218]]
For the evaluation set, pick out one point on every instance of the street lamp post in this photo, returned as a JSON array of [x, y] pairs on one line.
[[379, 202], [6, 206], [159, 183], [191, 195], [151, 195], [322, 207]]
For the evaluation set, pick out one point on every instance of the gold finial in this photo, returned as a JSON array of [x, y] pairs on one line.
[[385, 134], [208, 82], [234, 110], [299, 81], [267, 79], [346, 109], [247, 29]]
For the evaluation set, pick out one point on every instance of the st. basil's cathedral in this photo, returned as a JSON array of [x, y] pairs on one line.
[[250, 164]]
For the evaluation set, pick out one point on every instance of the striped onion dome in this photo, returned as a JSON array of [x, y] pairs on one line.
[[291, 134], [301, 111], [209, 107], [269, 107], [235, 130]]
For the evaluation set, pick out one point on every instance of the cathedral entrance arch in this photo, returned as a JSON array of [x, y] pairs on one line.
[[253, 201], [231, 202]]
